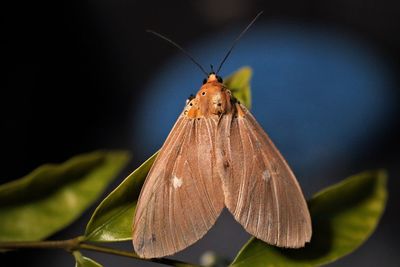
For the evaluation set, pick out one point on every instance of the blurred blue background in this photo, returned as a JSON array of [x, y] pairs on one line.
[[86, 76], [322, 95]]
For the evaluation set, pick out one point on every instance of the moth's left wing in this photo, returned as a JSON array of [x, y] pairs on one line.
[[182, 196], [260, 190]]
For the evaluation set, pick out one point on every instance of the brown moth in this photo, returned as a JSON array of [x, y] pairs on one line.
[[217, 156]]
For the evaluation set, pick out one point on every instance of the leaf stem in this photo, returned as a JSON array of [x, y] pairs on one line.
[[76, 244], [69, 244], [123, 253]]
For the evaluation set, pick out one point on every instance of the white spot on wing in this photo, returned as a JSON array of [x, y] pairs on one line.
[[176, 182], [266, 175]]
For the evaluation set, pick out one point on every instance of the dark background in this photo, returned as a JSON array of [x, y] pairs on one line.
[[74, 73]]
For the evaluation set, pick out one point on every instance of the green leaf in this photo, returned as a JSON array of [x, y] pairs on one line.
[[239, 84], [54, 195], [344, 216], [82, 261], [112, 219]]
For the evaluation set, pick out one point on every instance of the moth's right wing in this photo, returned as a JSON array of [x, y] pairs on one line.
[[260, 189], [182, 195]]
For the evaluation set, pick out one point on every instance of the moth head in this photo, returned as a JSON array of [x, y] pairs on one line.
[[212, 77]]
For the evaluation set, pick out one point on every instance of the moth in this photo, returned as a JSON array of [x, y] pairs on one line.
[[217, 156]]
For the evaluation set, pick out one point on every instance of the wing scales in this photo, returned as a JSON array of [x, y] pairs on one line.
[[260, 189], [182, 196], [210, 162]]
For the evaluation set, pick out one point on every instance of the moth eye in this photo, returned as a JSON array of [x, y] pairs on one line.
[[203, 93], [204, 81], [219, 79], [190, 97], [191, 104]]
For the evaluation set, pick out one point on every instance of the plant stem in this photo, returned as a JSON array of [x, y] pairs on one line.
[[69, 244], [76, 244], [118, 252]]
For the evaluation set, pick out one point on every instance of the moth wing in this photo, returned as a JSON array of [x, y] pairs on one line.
[[260, 189], [182, 195]]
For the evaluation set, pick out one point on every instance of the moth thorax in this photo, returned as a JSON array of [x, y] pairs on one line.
[[219, 103]]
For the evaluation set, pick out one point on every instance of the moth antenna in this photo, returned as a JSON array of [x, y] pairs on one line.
[[212, 68], [180, 48], [237, 39]]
